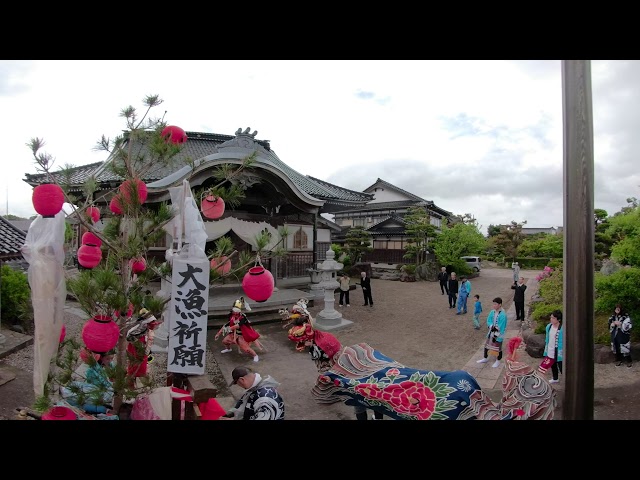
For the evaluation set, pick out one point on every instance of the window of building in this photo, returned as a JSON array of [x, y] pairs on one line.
[[358, 222], [300, 240]]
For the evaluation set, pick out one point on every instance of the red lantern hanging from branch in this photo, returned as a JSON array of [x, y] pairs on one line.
[[221, 265], [115, 206], [212, 207], [93, 213], [138, 265], [258, 282], [100, 333], [47, 199], [90, 238], [89, 256], [128, 185], [174, 134]]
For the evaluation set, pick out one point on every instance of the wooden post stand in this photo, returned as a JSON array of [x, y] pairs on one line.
[[200, 389]]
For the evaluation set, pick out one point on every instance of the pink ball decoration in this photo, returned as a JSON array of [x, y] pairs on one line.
[[258, 284], [92, 239], [126, 188], [63, 333], [212, 207], [100, 334], [138, 265], [220, 265], [174, 134], [89, 256], [115, 206], [59, 413], [47, 199], [93, 213]]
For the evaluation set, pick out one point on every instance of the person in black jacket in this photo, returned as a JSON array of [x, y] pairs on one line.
[[443, 276], [453, 290], [518, 298], [365, 283]]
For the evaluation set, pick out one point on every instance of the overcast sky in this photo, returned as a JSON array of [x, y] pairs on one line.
[[478, 137]]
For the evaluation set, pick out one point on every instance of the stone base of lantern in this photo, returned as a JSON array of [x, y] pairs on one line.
[[324, 323]]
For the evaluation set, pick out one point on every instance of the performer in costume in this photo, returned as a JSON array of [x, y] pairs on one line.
[[238, 331]]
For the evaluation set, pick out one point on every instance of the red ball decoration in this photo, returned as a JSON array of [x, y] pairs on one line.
[[138, 265], [100, 333], [92, 239], [59, 413], [127, 186], [258, 283], [89, 256], [220, 265], [93, 213], [115, 206], [212, 207], [48, 199], [174, 134], [63, 333]]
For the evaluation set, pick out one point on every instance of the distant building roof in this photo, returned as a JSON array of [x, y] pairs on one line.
[[11, 240]]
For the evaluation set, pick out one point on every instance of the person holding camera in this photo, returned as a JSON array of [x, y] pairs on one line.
[[497, 325]]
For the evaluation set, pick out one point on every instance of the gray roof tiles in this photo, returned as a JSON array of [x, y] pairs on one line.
[[11, 240]]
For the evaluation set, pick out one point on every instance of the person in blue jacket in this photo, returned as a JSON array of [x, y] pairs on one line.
[[497, 326], [553, 346], [463, 295]]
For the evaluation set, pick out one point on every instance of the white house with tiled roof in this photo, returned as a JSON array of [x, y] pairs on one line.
[[383, 218]]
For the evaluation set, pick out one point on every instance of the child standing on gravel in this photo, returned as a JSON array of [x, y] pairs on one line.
[[477, 310]]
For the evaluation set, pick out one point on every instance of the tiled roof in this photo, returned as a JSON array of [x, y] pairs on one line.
[[385, 205], [379, 181], [11, 240], [200, 145]]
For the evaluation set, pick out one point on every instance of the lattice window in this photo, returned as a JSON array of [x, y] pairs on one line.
[[300, 239]]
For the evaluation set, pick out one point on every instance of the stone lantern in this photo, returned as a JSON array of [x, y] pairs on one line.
[[329, 318]]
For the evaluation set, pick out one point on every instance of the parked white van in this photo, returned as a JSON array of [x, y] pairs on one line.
[[473, 262]]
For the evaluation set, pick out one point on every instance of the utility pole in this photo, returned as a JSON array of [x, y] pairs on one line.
[[578, 240]]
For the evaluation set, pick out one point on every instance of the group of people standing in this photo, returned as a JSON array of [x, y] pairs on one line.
[[458, 291]]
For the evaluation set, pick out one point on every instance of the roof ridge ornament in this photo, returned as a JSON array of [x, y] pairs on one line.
[[246, 132]]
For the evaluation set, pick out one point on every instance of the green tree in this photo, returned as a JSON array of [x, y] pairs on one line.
[[357, 243], [546, 245], [456, 241], [493, 230], [509, 239], [624, 230], [420, 231]]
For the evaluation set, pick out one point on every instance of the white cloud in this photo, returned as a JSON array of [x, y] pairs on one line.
[[479, 137]]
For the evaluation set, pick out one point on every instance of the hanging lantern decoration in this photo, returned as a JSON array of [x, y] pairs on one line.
[[138, 264], [126, 188], [93, 213], [221, 265], [47, 199], [92, 239], [258, 283], [100, 333], [59, 413], [63, 333], [174, 135], [89, 256], [115, 206], [212, 206]]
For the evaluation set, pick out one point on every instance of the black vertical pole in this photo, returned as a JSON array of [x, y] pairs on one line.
[[578, 240]]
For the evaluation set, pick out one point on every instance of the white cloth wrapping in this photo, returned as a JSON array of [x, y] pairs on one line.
[[44, 251]]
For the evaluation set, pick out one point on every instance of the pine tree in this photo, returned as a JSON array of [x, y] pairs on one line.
[[113, 289]]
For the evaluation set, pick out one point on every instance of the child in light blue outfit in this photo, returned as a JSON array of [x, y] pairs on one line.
[[477, 310]]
